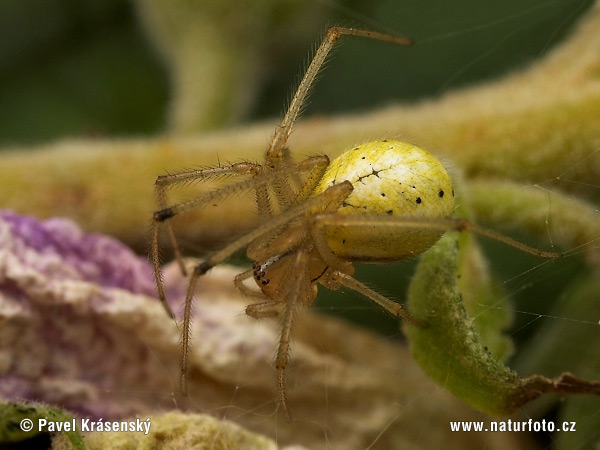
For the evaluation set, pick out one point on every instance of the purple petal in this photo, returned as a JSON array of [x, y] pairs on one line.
[[58, 247]]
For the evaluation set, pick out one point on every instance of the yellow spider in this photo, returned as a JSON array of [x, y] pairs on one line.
[[377, 203]]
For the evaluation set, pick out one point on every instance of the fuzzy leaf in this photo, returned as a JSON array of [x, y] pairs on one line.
[[11, 415], [451, 350]]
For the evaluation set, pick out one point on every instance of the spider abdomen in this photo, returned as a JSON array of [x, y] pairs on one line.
[[391, 179]]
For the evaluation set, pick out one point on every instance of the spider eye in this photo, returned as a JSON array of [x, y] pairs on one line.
[[261, 269]]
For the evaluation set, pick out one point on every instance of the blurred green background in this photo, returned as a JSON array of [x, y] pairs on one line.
[[76, 68], [86, 68]]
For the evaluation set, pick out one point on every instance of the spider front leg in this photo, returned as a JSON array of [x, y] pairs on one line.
[[238, 282], [267, 308], [162, 183], [275, 152]]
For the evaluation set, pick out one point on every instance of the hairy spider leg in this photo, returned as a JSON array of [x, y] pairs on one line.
[[299, 289], [336, 193], [267, 308], [263, 309], [274, 154], [258, 181], [163, 182], [166, 181], [395, 309], [256, 250], [320, 221], [238, 282], [281, 185]]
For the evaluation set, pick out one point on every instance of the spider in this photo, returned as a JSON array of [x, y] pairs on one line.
[[379, 202]]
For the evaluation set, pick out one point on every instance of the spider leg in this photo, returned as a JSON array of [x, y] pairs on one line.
[[262, 248], [282, 186], [262, 178], [298, 290], [320, 221], [263, 202], [288, 161], [263, 309], [332, 194], [274, 155], [312, 180], [238, 281], [162, 183], [316, 225], [259, 182], [395, 309]]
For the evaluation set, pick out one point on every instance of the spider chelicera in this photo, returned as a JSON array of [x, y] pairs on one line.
[[379, 202]]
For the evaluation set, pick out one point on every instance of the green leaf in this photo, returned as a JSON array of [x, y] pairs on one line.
[[12, 415], [452, 351]]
